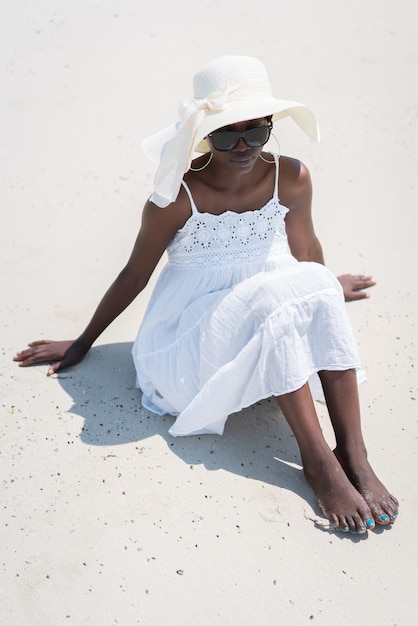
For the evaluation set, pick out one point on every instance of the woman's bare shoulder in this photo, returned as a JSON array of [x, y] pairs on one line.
[[170, 218], [293, 169], [294, 181]]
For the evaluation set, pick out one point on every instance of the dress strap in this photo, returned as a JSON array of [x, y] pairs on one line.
[[276, 179], [189, 193]]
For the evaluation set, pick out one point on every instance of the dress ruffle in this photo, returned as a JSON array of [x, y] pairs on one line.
[[265, 336]]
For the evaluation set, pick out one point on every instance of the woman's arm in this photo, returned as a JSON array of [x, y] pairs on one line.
[[158, 228], [296, 194]]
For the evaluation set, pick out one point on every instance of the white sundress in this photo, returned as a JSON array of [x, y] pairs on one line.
[[235, 318]]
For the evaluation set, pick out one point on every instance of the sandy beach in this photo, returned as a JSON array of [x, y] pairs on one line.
[[105, 518]]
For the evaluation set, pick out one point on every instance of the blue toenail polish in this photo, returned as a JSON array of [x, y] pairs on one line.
[[361, 529], [384, 517], [394, 516], [369, 523], [345, 529]]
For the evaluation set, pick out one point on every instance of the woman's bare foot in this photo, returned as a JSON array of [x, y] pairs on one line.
[[340, 502], [383, 506]]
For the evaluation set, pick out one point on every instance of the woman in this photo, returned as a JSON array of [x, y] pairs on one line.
[[236, 317]]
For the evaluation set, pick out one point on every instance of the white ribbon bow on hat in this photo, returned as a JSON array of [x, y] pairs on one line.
[[214, 102], [177, 155]]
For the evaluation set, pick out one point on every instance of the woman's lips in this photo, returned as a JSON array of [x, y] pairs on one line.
[[242, 160]]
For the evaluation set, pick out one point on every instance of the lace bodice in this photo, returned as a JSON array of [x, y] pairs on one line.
[[214, 240]]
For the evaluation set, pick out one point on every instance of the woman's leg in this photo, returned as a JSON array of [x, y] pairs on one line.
[[341, 502], [341, 395]]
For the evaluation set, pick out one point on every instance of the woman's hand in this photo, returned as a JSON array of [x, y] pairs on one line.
[[353, 286], [61, 353]]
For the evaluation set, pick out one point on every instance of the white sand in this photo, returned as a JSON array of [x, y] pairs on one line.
[[105, 518]]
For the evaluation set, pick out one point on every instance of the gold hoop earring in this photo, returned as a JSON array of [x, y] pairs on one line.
[[278, 153], [199, 169]]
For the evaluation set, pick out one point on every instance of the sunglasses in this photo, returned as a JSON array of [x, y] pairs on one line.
[[224, 140]]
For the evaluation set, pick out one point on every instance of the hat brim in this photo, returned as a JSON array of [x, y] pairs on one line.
[[153, 146]]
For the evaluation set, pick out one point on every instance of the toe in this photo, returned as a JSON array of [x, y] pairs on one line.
[[346, 524], [393, 509], [385, 514], [384, 511], [341, 523], [361, 523]]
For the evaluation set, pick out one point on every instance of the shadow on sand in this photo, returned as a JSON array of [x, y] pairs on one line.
[[257, 442]]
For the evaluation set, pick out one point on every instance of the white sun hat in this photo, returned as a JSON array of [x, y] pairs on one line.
[[227, 90]]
